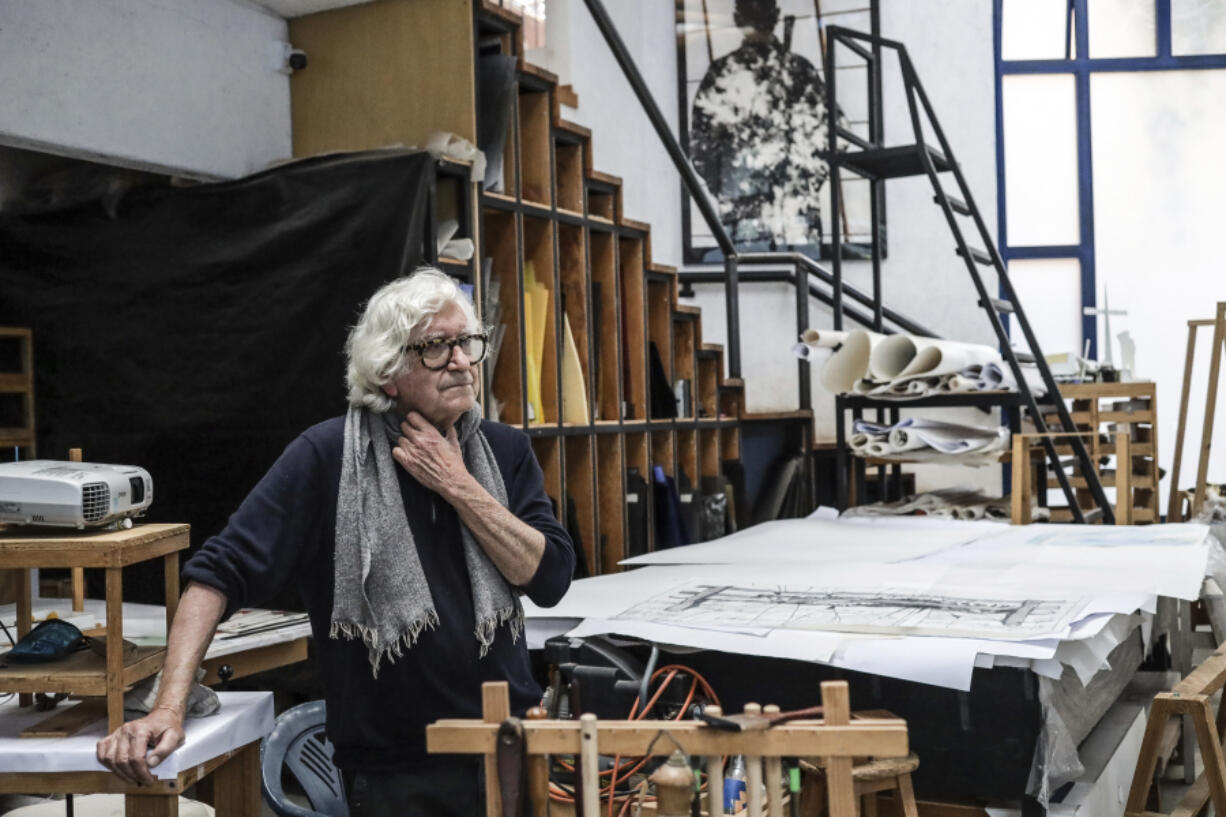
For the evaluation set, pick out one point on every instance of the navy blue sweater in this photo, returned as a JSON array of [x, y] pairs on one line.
[[284, 533]]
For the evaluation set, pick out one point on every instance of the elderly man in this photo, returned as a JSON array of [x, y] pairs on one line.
[[410, 527]]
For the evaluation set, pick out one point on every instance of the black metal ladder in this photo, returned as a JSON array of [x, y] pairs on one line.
[[871, 159]]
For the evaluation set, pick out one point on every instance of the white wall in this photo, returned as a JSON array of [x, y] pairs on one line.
[[950, 42], [623, 140], [173, 86]]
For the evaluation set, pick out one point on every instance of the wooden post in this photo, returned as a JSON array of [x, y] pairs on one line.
[[589, 765], [78, 573], [538, 771], [753, 773], [170, 579], [715, 776], [1202, 472], [1019, 501], [774, 775], [1173, 505], [114, 648], [841, 789], [495, 708], [1123, 475], [25, 619], [151, 805], [236, 783]]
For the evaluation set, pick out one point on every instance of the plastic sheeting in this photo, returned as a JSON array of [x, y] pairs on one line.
[[201, 329]]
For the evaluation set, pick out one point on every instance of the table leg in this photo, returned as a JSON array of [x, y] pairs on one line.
[[25, 619], [236, 783], [171, 582], [151, 805], [114, 648]]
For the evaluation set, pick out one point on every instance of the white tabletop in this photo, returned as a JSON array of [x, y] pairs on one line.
[[244, 717]]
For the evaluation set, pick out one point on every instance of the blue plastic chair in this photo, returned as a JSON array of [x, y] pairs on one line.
[[298, 742]]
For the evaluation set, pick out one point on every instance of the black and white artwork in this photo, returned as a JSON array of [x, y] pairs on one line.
[[755, 121], [885, 611]]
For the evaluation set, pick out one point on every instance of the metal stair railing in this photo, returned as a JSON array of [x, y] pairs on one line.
[[803, 268], [877, 162]]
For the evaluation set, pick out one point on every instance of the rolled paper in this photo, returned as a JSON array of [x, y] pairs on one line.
[[823, 338]]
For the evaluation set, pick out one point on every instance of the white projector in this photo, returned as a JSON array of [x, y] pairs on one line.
[[72, 494]]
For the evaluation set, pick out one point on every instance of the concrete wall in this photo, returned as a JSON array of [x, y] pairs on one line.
[[173, 86]]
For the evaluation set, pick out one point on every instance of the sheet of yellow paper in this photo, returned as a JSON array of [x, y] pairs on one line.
[[536, 307], [574, 390]]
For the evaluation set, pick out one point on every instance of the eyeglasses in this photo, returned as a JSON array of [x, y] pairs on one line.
[[436, 354]]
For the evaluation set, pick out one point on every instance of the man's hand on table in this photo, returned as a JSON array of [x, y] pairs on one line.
[[140, 745]]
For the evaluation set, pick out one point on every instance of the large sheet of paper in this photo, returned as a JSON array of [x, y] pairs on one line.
[[817, 541], [887, 594], [884, 610]]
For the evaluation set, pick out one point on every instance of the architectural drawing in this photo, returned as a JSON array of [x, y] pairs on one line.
[[897, 612]]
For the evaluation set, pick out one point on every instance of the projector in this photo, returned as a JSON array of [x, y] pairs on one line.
[[72, 494]]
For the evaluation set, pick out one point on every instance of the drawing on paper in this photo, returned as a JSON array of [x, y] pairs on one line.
[[707, 605]]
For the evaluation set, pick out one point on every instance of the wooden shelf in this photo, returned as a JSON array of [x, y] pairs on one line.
[[82, 673], [42, 547]]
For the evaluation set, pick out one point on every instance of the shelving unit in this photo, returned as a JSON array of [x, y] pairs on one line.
[[1104, 410], [555, 214], [85, 673]]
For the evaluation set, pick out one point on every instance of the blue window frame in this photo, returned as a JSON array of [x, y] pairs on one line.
[[1081, 66]]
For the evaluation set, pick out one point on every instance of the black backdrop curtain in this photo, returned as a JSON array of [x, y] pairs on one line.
[[202, 328]]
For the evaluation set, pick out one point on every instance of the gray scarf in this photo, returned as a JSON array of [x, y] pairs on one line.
[[379, 591]]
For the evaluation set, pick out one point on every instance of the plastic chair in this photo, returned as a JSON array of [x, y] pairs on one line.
[[298, 742]]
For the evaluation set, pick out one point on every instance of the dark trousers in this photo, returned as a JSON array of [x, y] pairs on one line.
[[454, 789]]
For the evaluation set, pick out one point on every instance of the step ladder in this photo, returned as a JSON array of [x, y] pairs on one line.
[[871, 159]]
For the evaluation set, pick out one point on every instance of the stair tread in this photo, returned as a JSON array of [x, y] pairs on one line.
[[604, 178], [732, 383], [894, 162], [641, 226], [664, 268], [573, 127], [543, 74], [686, 309], [712, 347], [958, 205], [506, 14]]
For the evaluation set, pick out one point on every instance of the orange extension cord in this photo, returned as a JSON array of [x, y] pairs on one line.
[[621, 773]]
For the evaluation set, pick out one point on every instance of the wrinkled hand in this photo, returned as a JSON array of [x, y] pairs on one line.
[[124, 750], [430, 458]]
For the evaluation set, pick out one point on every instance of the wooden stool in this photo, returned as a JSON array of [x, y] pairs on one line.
[[869, 777]]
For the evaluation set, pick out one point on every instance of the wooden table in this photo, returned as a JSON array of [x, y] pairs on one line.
[[224, 748], [85, 673]]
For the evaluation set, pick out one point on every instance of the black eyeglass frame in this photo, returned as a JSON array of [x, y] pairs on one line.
[[424, 346]]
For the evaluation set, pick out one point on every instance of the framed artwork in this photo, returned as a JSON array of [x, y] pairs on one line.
[[754, 120]]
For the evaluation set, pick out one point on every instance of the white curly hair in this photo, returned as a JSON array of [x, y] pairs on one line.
[[391, 320]]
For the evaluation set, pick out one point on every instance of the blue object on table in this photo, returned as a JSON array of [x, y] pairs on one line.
[[50, 640], [298, 743]]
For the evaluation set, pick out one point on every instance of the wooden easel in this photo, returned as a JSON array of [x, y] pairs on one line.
[[1191, 697], [836, 739], [1173, 508]]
